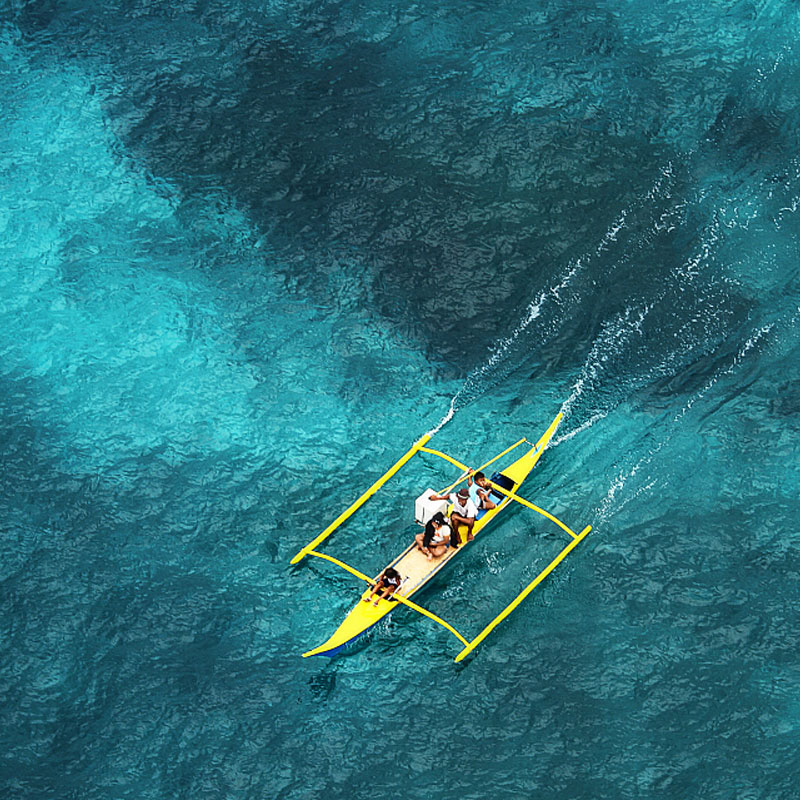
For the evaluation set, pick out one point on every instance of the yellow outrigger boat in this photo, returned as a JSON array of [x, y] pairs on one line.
[[415, 569]]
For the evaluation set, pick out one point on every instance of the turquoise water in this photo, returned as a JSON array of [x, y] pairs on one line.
[[250, 252]]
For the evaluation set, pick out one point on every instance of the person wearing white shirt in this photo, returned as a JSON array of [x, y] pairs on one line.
[[464, 512], [436, 538]]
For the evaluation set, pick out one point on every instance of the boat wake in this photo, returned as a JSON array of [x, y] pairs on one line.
[[562, 295], [669, 428]]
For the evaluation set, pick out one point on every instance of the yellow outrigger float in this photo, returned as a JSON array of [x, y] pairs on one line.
[[415, 569]]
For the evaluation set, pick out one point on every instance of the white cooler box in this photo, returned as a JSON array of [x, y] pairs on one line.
[[425, 508]]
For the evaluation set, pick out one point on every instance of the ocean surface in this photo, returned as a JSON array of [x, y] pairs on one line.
[[251, 251]]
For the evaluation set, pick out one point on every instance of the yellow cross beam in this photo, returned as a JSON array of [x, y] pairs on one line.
[[530, 505], [523, 594], [404, 600], [347, 513]]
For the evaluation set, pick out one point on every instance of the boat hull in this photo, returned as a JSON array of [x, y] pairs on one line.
[[414, 567]]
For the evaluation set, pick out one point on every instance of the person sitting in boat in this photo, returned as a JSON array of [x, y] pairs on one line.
[[388, 582], [464, 512], [436, 538], [479, 489]]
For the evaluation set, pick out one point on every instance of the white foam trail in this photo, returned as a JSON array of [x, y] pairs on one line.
[[611, 233], [614, 336], [666, 176], [751, 342], [691, 269], [610, 342], [533, 311], [580, 429], [446, 418], [625, 476], [794, 202]]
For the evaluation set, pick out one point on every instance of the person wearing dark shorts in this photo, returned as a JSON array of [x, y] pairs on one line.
[[388, 583], [464, 513]]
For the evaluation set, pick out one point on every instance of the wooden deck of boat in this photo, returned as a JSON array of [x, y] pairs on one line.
[[416, 570], [414, 566]]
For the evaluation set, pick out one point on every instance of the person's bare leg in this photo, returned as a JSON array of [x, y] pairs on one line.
[[468, 521], [384, 596]]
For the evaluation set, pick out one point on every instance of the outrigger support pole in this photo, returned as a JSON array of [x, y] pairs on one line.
[[480, 469], [395, 596], [523, 594], [446, 457], [528, 504], [419, 445]]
